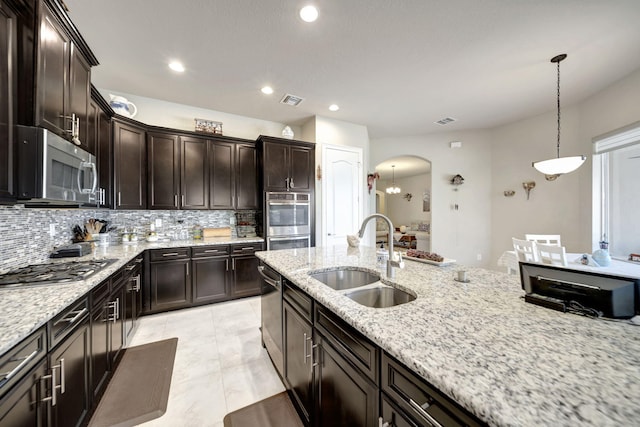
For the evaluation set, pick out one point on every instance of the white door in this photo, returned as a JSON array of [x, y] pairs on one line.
[[342, 190]]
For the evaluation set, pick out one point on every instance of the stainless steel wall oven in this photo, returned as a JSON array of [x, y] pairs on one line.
[[288, 220]]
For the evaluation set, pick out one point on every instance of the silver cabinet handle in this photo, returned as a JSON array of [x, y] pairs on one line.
[[183, 200], [383, 423], [138, 260], [112, 317], [424, 414], [304, 347], [54, 383], [314, 361], [233, 264], [175, 200], [227, 263], [136, 281], [291, 183], [171, 254], [25, 361], [130, 267], [75, 316], [119, 198], [62, 375], [187, 268], [117, 308]]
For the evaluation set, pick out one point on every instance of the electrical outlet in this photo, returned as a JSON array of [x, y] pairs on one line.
[[479, 256], [52, 230]]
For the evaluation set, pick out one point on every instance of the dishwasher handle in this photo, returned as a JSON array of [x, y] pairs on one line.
[[270, 280]]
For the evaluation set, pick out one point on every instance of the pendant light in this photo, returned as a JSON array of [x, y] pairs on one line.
[[553, 168], [393, 189]]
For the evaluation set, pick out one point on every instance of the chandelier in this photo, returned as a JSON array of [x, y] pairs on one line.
[[393, 189], [553, 168]]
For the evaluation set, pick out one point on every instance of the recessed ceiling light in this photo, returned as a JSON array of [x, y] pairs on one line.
[[267, 90], [176, 66], [309, 13], [333, 107]]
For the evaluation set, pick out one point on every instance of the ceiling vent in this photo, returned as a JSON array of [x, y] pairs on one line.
[[445, 121], [291, 100]]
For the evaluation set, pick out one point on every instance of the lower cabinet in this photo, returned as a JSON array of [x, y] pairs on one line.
[[169, 279], [100, 363], [133, 296], [210, 274], [244, 267], [23, 406]]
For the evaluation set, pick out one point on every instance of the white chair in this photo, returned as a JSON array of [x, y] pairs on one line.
[[546, 239], [525, 250], [551, 254]]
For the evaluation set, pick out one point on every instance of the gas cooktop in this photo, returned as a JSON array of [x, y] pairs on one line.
[[59, 272]]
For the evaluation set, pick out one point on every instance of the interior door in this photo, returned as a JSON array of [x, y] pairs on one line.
[[342, 192]]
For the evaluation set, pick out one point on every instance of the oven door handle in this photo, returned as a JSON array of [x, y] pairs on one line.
[[288, 203], [279, 239], [271, 281]]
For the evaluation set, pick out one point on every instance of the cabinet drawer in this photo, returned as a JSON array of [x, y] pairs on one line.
[[210, 251], [64, 323], [351, 343], [298, 299], [168, 254], [246, 249], [421, 401], [132, 265], [21, 358]]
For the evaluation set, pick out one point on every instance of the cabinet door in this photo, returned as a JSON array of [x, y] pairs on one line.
[[298, 370], [99, 349], [134, 302], [170, 285], [117, 306], [194, 179], [104, 150], [53, 74], [301, 169], [221, 175], [130, 159], [72, 359], [246, 280], [79, 93], [164, 171], [344, 396], [276, 169], [23, 406], [8, 73], [246, 177], [394, 416], [210, 279]]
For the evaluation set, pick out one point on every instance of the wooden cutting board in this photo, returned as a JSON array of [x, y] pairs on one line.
[[216, 232]]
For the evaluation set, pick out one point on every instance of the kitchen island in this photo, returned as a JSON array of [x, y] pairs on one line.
[[507, 362]]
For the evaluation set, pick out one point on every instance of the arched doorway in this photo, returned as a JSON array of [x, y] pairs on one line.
[[410, 208]]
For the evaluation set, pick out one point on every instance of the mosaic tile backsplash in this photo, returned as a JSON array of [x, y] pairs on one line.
[[28, 235]]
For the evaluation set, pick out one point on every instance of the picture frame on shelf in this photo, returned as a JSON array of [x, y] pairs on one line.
[[426, 201]]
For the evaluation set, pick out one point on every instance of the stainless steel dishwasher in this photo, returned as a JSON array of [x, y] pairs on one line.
[[271, 315]]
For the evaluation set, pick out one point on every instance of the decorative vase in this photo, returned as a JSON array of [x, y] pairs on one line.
[[602, 257], [287, 132]]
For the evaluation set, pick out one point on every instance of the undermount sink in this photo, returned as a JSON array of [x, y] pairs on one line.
[[345, 278], [380, 297]]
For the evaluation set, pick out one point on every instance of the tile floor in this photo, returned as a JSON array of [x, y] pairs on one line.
[[220, 364]]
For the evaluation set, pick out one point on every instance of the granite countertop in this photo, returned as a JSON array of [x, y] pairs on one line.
[[24, 309], [508, 362]]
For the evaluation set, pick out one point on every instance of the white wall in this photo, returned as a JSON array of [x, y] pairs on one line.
[[465, 233], [156, 112]]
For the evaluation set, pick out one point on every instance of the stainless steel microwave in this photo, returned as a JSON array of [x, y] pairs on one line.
[[52, 170]]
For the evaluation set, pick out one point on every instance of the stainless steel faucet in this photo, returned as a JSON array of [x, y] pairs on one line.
[[391, 262]]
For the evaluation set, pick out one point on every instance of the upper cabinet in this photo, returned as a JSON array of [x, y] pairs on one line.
[[100, 114], [129, 165], [63, 76], [163, 163], [8, 101], [246, 171], [286, 165]]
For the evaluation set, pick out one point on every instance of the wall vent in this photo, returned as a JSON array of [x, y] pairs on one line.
[[291, 100], [445, 121]]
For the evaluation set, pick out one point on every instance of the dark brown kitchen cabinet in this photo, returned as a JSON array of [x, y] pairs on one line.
[[246, 177], [163, 163], [23, 405], [100, 363], [100, 137], [244, 267], [194, 173], [8, 101], [117, 306], [69, 367], [130, 165], [63, 75], [221, 175], [394, 416], [169, 283], [133, 294], [210, 274], [286, 165], [298, 367]]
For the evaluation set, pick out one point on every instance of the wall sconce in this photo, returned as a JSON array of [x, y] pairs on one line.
[[408, 196], [509, 193], [528, 186]]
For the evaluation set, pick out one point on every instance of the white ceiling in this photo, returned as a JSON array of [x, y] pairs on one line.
[[395, 66]]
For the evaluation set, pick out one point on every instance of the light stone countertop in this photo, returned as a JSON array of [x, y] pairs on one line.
[[508, 362], [24, 309]]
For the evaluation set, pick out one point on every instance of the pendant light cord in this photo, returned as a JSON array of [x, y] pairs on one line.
[[558, 146]]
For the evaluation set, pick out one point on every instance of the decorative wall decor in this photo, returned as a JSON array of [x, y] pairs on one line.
[[208, 126], [509, 193], [408, 196], [457, 180], [528, 186], [426, 201], [371, 179]]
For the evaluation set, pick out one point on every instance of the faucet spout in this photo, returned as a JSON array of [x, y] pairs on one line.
[[390, 263]]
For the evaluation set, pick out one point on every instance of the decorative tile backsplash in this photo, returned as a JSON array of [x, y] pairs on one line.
[[27, 235]]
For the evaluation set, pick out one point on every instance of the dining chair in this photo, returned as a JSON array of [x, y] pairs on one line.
[[546, 239], [551, 254], [525, 250]]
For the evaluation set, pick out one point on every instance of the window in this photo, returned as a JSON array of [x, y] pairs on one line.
[[616, 198]]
